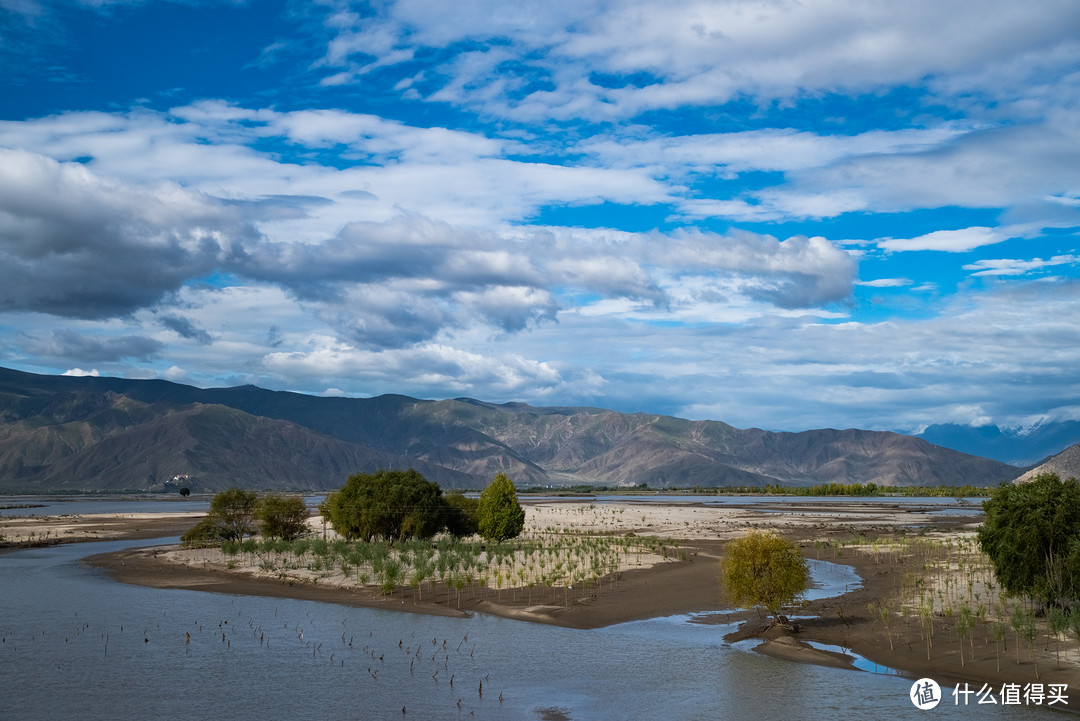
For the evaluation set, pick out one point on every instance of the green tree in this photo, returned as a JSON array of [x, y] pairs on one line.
[[499, 515], [1032, 537], [230, 518], [763, 569], [235, 509], [283, 516], [387, 504], [461, 514]]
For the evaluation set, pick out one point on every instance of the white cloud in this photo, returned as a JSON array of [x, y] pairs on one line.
[[1017, 167], [773, 149], [79, 372], [333, 250], [424, 368], [458, 177], [1015, 340], [1005, 266], [176, 374], [660, 55], [950, 241], [387, 283]]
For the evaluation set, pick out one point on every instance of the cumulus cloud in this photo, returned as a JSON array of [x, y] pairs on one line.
[[75, 244], [365, 245], [401, 282], [80, 373], [100, 248], [379, 168], [795, 273]]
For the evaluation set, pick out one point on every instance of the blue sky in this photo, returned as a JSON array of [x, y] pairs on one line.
[[835, 213]]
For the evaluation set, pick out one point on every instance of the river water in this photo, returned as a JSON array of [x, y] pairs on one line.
[[77, 645], [91, 505]]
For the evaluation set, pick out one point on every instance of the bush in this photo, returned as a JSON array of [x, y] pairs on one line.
[[207, 532]]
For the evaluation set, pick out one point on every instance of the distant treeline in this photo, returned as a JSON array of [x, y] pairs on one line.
[[821, 489], [853, 489]]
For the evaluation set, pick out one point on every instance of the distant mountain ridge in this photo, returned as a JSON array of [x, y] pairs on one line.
[[90, 433], [1015, 446]]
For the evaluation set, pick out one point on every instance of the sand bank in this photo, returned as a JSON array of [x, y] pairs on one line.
[[26, 531]]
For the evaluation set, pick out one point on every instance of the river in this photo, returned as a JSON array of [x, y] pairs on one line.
[[77, 645]]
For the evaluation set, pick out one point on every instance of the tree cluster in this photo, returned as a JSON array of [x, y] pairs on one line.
[[236, 513], [1032, 537], [399, 505], [388, 504]]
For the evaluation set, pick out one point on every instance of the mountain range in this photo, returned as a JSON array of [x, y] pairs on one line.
[[93, 433], [1025, 446]]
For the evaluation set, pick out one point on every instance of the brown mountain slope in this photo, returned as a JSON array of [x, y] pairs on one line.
[[111, 442], [115, 433], [1065, 464], [664, 451]]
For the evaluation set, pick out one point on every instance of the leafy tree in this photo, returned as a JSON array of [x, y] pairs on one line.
[[283, 516], [387, 504], [230, 518], [1032, 537], [234, 509], [185, 492], [763, 569], [461, 514], [499, 515]]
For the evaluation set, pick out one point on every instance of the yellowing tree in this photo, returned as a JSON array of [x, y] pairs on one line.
[[763, 569]]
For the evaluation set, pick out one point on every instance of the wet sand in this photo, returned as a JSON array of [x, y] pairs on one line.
[[670, 588], [28, 531]]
